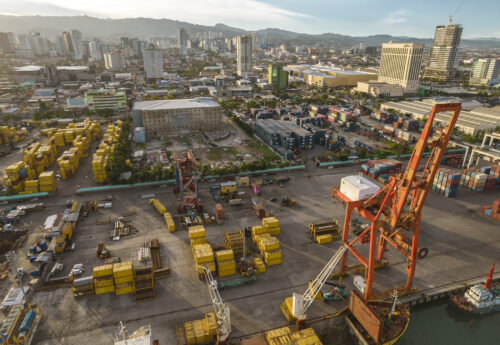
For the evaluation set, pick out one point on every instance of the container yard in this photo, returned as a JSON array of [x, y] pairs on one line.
[[152, 253]]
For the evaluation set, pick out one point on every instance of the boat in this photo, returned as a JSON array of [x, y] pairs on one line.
[[480, 299], [377, 322]]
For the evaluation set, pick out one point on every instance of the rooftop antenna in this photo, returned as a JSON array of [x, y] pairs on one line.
[[452, 16]]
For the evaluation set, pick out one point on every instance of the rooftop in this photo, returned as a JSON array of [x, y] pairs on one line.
[[72, 68], [199, 102], [29, 68], [326, 69]]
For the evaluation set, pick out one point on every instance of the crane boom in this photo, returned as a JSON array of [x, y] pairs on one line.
[[302, 302], [395, 211], [222, 312]]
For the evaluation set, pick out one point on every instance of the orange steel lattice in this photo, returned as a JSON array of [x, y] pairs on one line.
[[394, 212]]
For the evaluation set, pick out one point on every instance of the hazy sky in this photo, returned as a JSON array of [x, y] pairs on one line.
[[480, 18]]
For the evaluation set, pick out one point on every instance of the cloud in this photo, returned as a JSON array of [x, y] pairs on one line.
[[396, 17], [241, 13]]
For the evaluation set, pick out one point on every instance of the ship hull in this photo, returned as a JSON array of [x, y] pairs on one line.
[[461, 304]]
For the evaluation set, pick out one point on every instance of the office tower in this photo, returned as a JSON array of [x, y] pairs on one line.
[[59, 43], [485, 72], [182, 38], [76, 40], [400, 64], [153, 63], [114, 61], [95, 50], [277, 77], [445, 54], [244, 55], [68, 44], [5, 43]]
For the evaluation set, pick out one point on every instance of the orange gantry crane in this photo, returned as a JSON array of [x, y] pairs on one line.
[[394, 211]]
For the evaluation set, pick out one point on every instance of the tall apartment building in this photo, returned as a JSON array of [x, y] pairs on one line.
[[182, 38], [114, 61], [485, 72], [153, 63], [244, 55], [68, 43], [444, 54], [5, 43], [400, 64], [179, 116], [105, 99], [59, 45], [76, 40], [277, 77]]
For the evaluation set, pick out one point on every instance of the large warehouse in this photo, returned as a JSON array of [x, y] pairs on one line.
[[470, 122], [323, 75], [179, 116]]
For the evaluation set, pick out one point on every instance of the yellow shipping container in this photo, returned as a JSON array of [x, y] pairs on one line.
[[101, 271], [103, 282], [275, 254], [277, 333], [196, 231], [210, 265], [269, 243], [189, 331], [223, 255], [274, 231], [272, 262], [270, 222], [322, 239], [103, 290], [124, 288], [200, 240], [259, 265], [169, 221]]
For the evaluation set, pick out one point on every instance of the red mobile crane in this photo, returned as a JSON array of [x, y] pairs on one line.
[[186, 177], [394, 211]]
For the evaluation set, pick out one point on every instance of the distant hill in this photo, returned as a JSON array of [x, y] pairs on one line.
[[147, 27]]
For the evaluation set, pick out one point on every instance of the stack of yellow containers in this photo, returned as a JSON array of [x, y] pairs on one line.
[[259, 265], [69, 135], [272, 225], [258, 232], [99, 168], [197, 235], [284, 336], [226, 266], [67, 230], [16, 174], [203, 257], [123, 273], [60, 244], [59, 139], [201, 331], [169, 221], [103, 279], [269, 248], [31, 186], [4, 135], [47, 181]]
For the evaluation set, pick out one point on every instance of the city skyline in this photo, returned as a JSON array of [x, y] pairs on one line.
[[383, 17]]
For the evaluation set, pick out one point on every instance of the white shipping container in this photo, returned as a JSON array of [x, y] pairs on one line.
[[357, 187]]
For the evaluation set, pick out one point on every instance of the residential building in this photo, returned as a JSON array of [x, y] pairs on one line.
[[444, 55], [105, 99], [400, 64], [95, 51], [76, 40], [182, 38], [277, 77], [244, 55], [485, 72], [322, 75], [153, 63], [5, 43], [68, 43], [114, 61], [60, 48], [179, 116]]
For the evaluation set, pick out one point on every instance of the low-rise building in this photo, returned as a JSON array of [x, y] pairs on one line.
[[320, 75], [27, 73], [377, 89], [179, 116], [105, 99]]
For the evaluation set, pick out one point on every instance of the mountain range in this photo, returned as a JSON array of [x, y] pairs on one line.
[[144, 28]]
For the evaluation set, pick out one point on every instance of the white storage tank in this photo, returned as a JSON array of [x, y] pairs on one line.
[[139, 135], [357, 187]]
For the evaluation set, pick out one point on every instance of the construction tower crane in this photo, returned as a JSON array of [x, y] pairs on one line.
[[394, 211], [222, 312], [302, 302], [186, 178], [452, 16]]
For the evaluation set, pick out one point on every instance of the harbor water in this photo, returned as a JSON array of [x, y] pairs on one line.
[[437, 323]]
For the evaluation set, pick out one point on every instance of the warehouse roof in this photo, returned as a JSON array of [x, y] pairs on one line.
[[29, 68], [326, 69], [73, 68], [199, 102]]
